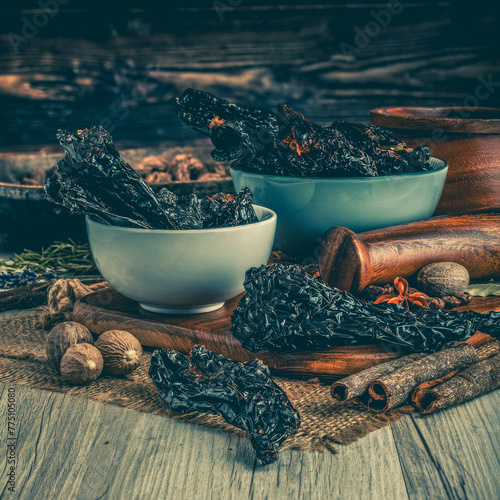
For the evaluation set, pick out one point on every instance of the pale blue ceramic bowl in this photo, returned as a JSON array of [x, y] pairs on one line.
[[308, 206], [181, 271]]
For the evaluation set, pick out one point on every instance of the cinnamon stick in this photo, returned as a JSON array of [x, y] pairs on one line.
[[474, 381], [356, 385], [484, 350], [394, 389]]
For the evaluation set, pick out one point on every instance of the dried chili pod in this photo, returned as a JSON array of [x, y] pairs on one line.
[[184, 211], [320, 151], [242, 393], [227, 210], [197, 109], [287, 143], [284, 308], [94, 179], [220, 210]]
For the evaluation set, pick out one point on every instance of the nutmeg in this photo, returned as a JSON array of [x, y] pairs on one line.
[[82, 363], [61, 337], [120, 350], [442, 279]]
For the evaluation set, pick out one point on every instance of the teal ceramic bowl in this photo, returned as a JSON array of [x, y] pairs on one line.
[[181, 271], [308, 206]]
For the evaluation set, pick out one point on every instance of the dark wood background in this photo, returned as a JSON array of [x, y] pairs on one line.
[[122, 64]]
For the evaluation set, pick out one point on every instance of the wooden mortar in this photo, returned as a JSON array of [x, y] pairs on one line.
[[467, 138]]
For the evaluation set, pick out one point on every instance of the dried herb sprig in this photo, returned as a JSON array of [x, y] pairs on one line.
[[65, 258]]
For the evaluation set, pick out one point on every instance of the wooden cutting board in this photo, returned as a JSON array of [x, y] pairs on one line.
[[108, 310]]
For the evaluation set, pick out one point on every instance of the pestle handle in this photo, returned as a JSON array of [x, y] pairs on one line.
[[351, 261]]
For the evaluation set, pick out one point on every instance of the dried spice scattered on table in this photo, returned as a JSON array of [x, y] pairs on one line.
[[374, 292], [357, 384], [284, 308], [62, 258], [93, 179], [442, 279], [404, 296], [287, 143], [14, 279], [242, 393], [182, 167]]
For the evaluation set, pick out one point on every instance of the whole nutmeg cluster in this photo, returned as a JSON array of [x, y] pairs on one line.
[[71, 351]]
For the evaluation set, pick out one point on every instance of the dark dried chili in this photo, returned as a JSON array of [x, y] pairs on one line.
[[287, 143], [220, 210], [94, 179], [284, 308], [242, 393]]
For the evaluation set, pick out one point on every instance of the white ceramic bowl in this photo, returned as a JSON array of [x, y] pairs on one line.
[[184, 271], [308, 206]]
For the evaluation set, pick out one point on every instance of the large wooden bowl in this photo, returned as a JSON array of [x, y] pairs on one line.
[[467, 138]]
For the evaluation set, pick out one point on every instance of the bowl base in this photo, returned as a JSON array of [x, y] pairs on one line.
[[204, 308]]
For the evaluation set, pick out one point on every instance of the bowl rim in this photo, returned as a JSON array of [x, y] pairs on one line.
[[379, 178], [429, 118], [266, 211]]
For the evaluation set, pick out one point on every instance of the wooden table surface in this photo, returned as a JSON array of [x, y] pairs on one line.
[[74, 448]]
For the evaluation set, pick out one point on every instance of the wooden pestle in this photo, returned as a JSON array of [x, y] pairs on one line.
[[351, 261]]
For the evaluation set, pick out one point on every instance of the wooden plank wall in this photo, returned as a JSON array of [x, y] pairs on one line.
[[122, 64]]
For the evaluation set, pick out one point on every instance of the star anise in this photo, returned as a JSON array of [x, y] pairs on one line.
[[403, 297]]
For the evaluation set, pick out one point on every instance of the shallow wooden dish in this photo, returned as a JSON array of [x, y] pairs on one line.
[[24, 209], [109, 310]]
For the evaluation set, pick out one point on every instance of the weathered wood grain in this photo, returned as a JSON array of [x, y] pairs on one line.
[[454, 453], [125, 71], [80, 449], [367, 469]]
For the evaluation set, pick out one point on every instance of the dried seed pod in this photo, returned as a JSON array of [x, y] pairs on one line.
[[437, 303], [464, 298], [185, 167], [63, 336], [443, 278], [159, 178], [451, 301], [120, 350], [82, 363]]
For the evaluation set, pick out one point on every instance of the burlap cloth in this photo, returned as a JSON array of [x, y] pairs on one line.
[[324, 421]]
